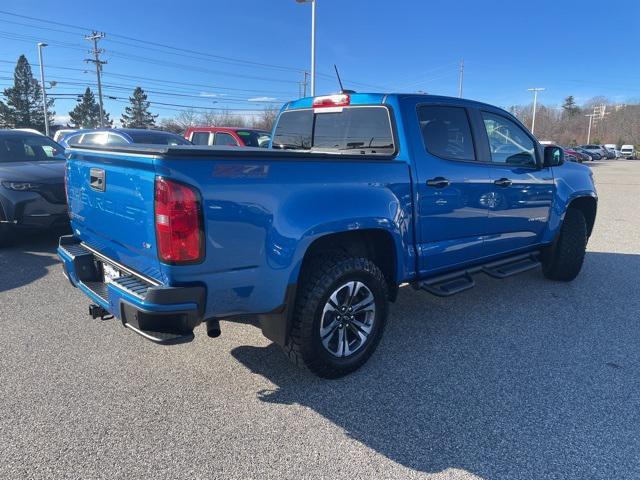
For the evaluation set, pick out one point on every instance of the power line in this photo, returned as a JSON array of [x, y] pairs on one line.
[[204, 54], [157, 44], [163, 82]]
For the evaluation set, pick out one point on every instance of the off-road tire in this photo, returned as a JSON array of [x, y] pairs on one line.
[[563, 260], [322, 276]]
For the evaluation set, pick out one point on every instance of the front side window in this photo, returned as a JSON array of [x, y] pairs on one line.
[[200, 138], [18, 148], [351, 130], [446, 132], [225, 139], [509, 144]]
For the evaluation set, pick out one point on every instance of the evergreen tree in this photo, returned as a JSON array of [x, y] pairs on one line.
[[23, 107], [569, 106], [138, 115], [86, 113]]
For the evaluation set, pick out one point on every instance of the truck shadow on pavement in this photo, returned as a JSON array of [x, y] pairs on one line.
[[520, 378], [26, 259]]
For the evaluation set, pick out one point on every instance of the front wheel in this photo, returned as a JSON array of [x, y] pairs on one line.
[[339, 317], [563, 260], [5, 235]]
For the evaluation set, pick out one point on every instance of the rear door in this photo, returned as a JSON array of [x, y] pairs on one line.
[[200, 138], [452, 187], [521, 190], [111, 200]]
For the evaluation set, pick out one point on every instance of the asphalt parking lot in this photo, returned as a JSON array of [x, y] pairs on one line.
[[517, 379]]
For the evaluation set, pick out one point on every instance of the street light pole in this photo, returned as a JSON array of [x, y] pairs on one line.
[[313, 44], [535, 102], [591, 115], [44, 90]]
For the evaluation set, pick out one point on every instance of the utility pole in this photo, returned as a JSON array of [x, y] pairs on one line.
[[461, 78], [305, 83], [535, 103], [94, 37], [44, 90], [302, 86], [591, 115]]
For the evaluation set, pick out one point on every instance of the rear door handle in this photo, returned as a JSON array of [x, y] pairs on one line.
[[503, 182], [438, 182]]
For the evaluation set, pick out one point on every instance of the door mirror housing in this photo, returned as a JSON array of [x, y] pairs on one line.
[[553, 156]]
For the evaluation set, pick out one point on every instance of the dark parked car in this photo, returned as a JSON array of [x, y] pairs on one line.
[[593, 154], [598, 152], [32, 193], [581, 154], [571, 155], [122, 136]]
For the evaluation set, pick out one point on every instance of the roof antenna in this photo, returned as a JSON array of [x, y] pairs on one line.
[[342, 90]]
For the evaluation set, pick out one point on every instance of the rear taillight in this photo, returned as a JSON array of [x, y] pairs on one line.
[[178, 222]]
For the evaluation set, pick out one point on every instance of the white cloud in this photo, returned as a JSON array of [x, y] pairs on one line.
[[262, 99], [62, 119], [211, 94]]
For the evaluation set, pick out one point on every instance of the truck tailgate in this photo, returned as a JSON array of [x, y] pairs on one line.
[[111, 203]]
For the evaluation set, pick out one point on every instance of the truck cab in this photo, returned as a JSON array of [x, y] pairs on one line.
[[358, 194]]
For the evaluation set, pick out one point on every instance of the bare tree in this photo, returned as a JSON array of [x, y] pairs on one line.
[[265, 119], [182, 121]]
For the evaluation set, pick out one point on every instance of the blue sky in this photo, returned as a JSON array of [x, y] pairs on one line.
[[581, 48]]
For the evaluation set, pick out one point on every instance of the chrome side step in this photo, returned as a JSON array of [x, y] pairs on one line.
[[461, 280]]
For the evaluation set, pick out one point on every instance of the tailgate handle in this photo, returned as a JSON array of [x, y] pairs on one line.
[[97, 179]]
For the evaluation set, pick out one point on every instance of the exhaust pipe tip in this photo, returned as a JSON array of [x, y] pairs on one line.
[[213, 328]]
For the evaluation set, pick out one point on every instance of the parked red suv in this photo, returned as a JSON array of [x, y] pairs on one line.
[[230, 136]]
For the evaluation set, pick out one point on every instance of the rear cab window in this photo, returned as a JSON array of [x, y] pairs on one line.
[[352, 130]]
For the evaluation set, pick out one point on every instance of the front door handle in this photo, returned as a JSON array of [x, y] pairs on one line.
[[503, 182], [438, 182]]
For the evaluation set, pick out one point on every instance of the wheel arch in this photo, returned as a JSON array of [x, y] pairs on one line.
[[588, 205], [377, 244]]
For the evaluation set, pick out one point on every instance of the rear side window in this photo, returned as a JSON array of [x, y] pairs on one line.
[[116, 140], [446, 132], [99, 138], [353, 130], [225, 139], [200, 138]]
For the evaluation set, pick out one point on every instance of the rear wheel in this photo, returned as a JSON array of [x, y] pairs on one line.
[[340, 314], [563, 260]]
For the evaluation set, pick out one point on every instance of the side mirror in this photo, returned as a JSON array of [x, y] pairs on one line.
[[553, 156]]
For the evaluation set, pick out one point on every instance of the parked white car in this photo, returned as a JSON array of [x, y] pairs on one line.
[[628, 151], [62, 132]]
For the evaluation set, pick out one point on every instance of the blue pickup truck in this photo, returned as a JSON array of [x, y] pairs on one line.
[[312, 238]]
